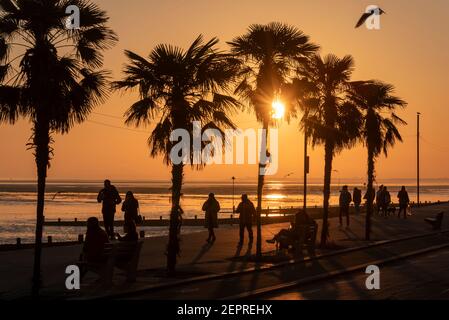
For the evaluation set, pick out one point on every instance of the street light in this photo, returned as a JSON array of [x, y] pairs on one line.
[[233, 193]]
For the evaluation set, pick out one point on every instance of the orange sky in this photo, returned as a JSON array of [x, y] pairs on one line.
[[410, 51]]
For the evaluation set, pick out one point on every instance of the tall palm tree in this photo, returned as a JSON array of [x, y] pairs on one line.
[[332, 120], [268, 54], [54, 79], [379, 132], [177, 87]]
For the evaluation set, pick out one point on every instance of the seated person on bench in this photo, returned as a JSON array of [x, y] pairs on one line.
[[96, 238], [287, 236], [130, 232], [130, 237]]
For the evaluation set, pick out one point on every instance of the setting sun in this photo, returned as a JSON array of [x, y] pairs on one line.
[[278, 109]]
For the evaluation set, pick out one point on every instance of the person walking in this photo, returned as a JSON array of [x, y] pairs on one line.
[[247, 211], [131, 208], [110, 197], [211, 208], [386, 198], [344, 202], [357, 198], [379, 199], [404, 201]]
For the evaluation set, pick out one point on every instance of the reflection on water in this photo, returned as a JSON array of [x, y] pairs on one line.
[[69, 200]]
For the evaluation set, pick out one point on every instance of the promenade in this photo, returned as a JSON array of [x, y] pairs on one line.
[[197, 258]]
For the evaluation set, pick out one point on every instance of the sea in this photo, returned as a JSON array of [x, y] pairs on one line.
[[67, 200]]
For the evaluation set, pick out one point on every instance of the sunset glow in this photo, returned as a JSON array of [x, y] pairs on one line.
[[278, 109]]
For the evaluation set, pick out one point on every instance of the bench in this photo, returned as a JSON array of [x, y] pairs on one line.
[[121, 255], [304, 239], [436, 222]]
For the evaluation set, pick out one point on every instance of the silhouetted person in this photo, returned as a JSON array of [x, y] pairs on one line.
[[386, 200], [110, 198], [404, 201], [131, 208], [344, 201], [130, 232], [379, 199], [369, 197], [211, 208], [287, 236], [96, 238], [357, 198], [246, 210]]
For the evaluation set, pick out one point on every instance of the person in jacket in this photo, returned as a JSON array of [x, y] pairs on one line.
[[96, 238], [344, 202], [386, 201], [131, 208], [404, 201], [357, 198], [211, 208], [247, 211], [379, 199], [110, 197], [285, 237]]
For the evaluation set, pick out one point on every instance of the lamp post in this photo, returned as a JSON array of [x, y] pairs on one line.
[[233, 193], [417, 157], [306, 168]]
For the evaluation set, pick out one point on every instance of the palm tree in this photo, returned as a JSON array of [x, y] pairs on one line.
[[54, 80], [177, 87], [268, 54], [377, 103], [331, 120]]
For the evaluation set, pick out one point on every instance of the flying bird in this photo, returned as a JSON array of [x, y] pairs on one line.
[[368, 14], [288, 175], [54, 196]]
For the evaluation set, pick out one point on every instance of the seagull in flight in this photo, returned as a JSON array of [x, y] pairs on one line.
[[288, 175], [368, 14]]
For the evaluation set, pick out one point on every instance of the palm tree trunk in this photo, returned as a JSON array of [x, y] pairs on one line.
[[328, 157], [370, 193], [173, 247], [260, 183], [42, 154]]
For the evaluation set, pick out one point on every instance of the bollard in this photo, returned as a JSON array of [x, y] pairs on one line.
[[142, 234], [76, 219], [18, 242], [50, 239], [196, 217], [160, 217], [59, 220], [80, 238]]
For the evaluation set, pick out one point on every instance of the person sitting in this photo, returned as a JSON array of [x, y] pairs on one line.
[[96, 238], [130, 232], [287, 236]]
